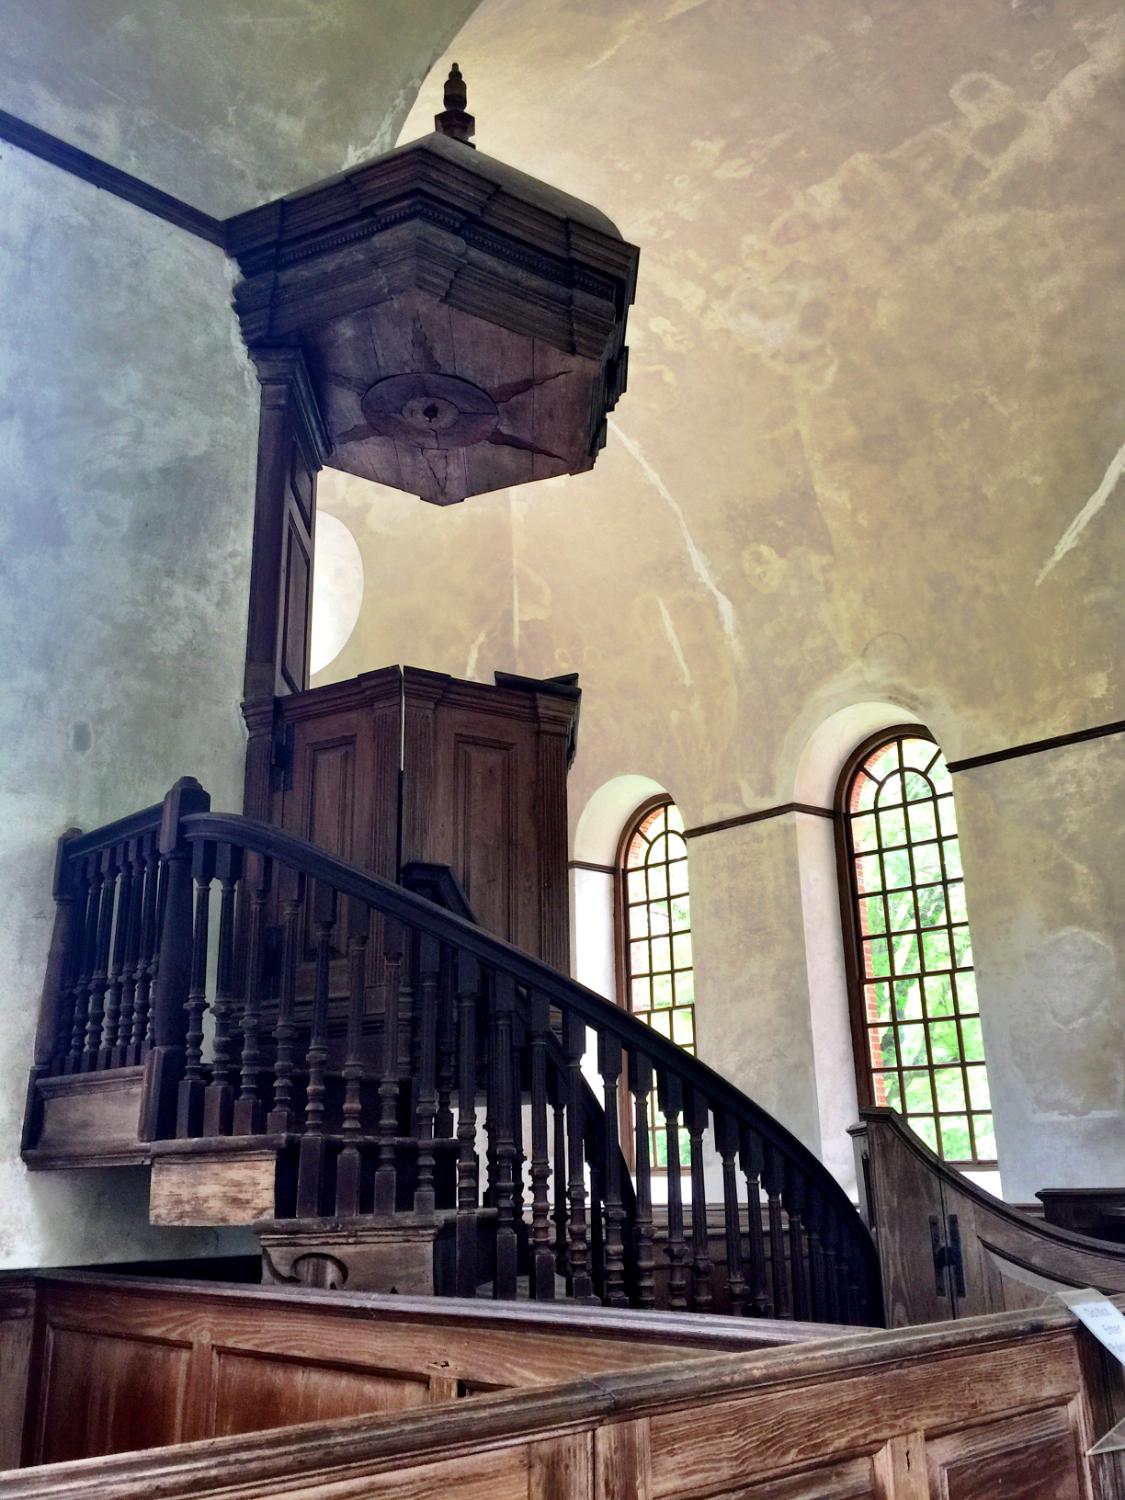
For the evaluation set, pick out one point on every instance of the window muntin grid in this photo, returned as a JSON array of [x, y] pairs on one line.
[[917, 996], [656, 940]]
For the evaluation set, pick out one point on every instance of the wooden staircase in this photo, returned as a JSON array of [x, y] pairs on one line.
[[395, 1097]]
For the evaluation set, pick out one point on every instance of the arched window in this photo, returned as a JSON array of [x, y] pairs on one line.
[[654, 931], [915, 1019]]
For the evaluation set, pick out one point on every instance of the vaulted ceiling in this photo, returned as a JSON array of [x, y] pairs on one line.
[[873, 436], [873, 441], [223, 103]]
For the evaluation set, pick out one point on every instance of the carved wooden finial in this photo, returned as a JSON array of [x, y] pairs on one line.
[[454, 120]]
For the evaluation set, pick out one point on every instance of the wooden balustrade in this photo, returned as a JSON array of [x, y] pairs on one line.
[[362, 1096]]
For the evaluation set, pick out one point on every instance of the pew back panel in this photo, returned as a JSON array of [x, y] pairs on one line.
[[948, 1249], [997, 1408], [111, 1364]]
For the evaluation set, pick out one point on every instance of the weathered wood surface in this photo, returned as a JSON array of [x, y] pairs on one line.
[[105, 1363], [372, 1108], [1007, 1259], [1002, 1406]]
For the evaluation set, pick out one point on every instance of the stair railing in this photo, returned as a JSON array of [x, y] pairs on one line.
[[358, 1026]]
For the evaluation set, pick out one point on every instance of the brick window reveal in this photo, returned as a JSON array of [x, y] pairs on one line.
[[915, 1017], [654, 925]]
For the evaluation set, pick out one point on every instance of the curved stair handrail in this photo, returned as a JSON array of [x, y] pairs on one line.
[[805, 1205], [594, 1009], [354, 1030]]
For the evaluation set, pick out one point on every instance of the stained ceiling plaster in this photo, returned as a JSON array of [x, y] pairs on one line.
[[223, 103], [871, 445]]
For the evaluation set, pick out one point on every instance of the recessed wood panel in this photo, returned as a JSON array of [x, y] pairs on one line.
[[852, 1480], [256, 1391], [1034, 1457], [484, 815], [110, 1394]]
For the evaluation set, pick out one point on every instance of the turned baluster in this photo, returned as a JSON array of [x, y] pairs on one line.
[[406, 1019], [447, 1049], [350, 1163], [609, 1065], [773, 1180], [726, 1137], [173, 966], [580, 1286], [146, 956], [386, 1176], [99, 978], [830, 1239], [89, 945], [218, 1097], [64, 965], [670, 1094], [468, 988], [311, 1153], [501, 1108], [126, 968], [697, 1112], [282, 1118], [542, 1255], [558, 1170], [428, 950], [818, 1289], [597, 1229], [853, 1297], [794, 1199], [752, 1157], [189, 1099], [640, 1086], [519, 1160], [247, 1107], [107, 1053]]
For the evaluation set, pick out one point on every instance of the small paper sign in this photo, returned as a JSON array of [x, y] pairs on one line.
[[1107, 1323]]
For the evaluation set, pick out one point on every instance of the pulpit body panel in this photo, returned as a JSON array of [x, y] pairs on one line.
[[403, 765]]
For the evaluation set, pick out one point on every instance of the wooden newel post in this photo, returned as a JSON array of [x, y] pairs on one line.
[[52, 1022], [164, 1064]]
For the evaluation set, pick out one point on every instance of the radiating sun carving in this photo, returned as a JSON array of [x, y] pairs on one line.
[[431, 410]]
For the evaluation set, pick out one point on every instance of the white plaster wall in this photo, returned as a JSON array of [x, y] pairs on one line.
[[128, 422], [752, 1001], [871, 449], [592, 931], [833, 1060], [1045, 882]]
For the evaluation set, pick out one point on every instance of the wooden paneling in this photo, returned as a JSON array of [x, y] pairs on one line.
[[90, 1118], [483, 790], [17, 1344], [1036, 1457], [990, 1256], [149, 1362], [214, 1187], [109, 1393], [251, 1391], [997, 1408]]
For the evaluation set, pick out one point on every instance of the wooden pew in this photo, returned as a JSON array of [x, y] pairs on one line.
[[948, 1249], [94, 1364], [997, 1408]]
